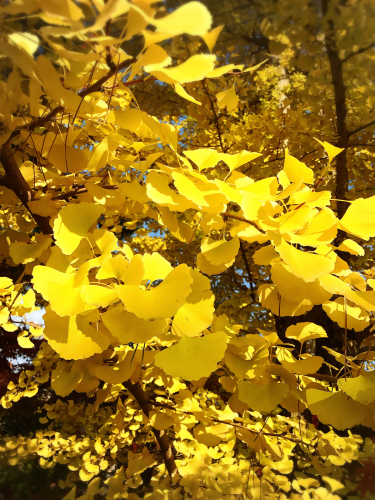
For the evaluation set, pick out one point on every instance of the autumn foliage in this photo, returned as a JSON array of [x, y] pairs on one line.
[[199, 277]]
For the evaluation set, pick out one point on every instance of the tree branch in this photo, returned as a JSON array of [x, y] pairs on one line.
[[362, 127], [237, 217], [162, 438], [14, 181], [335, 63], [359, 51]]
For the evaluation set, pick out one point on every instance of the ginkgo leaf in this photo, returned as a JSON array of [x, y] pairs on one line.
[[22, 253], [351, 247], [248, 368], [193, 358], [113, 268], [296, 170], [335, 409], [99, 296], [73, 223], [306, 265], [263, 190], [197, 312], [63, 383], [162, 301], [290, 286], [320, 231], [73, 337], [204, 158], [351, 316], [210, 269], [73, 303], [272, 300], [361, 388], [221, 251], [305, 331], [127, 327], [192, 70], [155, 267], [332, 151], [211, 37], [228, 99], [359, 219], [28, 42], [262, 398], [118, 373], [239, 159], [182, 93], [302, 366], [160, 420], [25, 342], [193, 18]]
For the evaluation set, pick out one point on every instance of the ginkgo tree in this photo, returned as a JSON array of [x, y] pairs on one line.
[[116, 234]]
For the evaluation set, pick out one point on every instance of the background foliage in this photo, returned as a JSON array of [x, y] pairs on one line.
[[187, 218]]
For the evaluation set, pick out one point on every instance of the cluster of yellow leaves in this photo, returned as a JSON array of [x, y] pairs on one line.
[[117, 167]]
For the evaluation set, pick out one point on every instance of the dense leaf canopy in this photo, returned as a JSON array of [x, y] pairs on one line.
[[187, 263]]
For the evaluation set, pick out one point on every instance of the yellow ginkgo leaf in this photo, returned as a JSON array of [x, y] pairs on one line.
[[22, 253], [302, 366], [265, 255], [192, 70], [159, 192], [99, 296], [359, 219], [361, 388], [127, 327], [248, 368], [335, 409], [73, 337], [155, 267], [182, 93], [272, 300], [210, 269], [43, 275], [239, 159], [351, 247], [73, 302], [306, 265], [332, 151], [63, 383], [204, 158], [193, 358], [320, 231], [118, 373], [28, 42], [197, 312], [211, 37], [263, 190], [296, 170], [193, 18], [160, 420], [72, 224], [290, 286], [305, 331], [162, 301], [349, 315], [228, 99], [114, 267], [25, 342], [263, 398], [221, 251]]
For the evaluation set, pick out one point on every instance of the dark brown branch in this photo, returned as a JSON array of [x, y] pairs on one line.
[[335, 64], [242, 219], [247, 267], [162, 438], [14, 181], [359, 51], [362, 127]]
